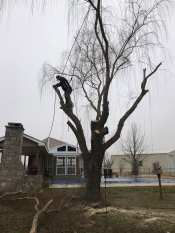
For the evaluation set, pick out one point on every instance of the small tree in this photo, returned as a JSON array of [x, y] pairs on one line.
[[121, 165], [134, 148], [108, 161]]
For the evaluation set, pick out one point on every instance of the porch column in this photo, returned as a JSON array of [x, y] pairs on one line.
[[24, 161]]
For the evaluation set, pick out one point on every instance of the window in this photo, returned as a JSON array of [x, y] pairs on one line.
[[70, 148], [71, 162], [61, 165], [63, 148], [66, 165], [140, 163]]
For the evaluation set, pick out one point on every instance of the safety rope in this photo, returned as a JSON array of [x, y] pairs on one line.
[[64, 69]]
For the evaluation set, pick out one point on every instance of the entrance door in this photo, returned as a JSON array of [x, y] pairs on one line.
[[61, 165]]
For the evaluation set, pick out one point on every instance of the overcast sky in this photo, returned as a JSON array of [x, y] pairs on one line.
[[27, 40]]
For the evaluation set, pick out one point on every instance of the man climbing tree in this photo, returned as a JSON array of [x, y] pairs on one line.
[[66, 88], [114, 44]]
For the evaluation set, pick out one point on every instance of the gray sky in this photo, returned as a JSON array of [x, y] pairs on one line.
[[26, 41]]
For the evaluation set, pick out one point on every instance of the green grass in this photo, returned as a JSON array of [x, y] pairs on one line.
[[130, 210]]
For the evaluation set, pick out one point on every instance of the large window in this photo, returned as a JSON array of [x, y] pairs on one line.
[[61, 165], [66, 148], [66, 165], [70, 148], [71, 162], [63, 148]]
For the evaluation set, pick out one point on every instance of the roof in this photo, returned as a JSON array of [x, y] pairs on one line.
[[29, 145], [54, 149], [161, 151], [52, 142], [151, 152], [49, 145], [40, 143]]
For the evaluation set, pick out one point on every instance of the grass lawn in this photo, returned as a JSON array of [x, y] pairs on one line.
[[129, 209]]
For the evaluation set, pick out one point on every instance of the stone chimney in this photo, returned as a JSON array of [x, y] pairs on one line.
[[12, 170], [13, 143]]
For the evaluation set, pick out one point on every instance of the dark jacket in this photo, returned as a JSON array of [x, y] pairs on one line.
[[64, 84]]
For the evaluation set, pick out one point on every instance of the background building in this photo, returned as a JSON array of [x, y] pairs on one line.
[[166, 160]]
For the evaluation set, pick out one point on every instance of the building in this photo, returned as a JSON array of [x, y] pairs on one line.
[[166, 160], [34, 151], [13, 174], [65, 160], [54, 158]]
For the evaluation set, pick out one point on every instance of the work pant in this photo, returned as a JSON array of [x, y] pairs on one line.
[[69, 103]]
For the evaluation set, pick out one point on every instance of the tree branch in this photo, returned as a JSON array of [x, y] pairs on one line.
[[74, 118], [130, 111], [36, 217], [11, 193]]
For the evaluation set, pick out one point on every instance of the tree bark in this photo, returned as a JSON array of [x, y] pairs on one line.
[[93, 163], [93, 168]]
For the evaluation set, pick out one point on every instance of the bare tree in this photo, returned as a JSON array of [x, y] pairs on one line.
[[134, 148], [114, 39], [112, 43], [121, 164], [108, 161]]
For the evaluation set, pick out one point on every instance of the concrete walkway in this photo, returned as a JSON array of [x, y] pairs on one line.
[[113, 182], [133, 184]]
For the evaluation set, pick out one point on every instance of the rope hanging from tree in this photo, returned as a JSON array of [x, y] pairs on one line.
[[66, 65]]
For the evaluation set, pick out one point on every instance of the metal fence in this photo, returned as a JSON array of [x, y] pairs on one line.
[[143, 170]]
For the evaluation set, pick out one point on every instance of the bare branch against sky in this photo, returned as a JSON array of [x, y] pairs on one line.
[[25, 44], [111, 45]]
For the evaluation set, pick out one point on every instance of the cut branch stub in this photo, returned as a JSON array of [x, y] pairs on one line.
[[95, 128], [104, 131], [97, 131]]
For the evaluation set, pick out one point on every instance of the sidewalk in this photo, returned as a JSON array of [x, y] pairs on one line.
[[133, 184]]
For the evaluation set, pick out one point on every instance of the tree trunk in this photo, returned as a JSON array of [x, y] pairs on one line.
[[93, 178], [93, 163], [135, 168]]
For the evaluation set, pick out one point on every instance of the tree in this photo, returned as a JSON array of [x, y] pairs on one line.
[[134, 148], [112, 41], [108, 161], [121, 164]]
